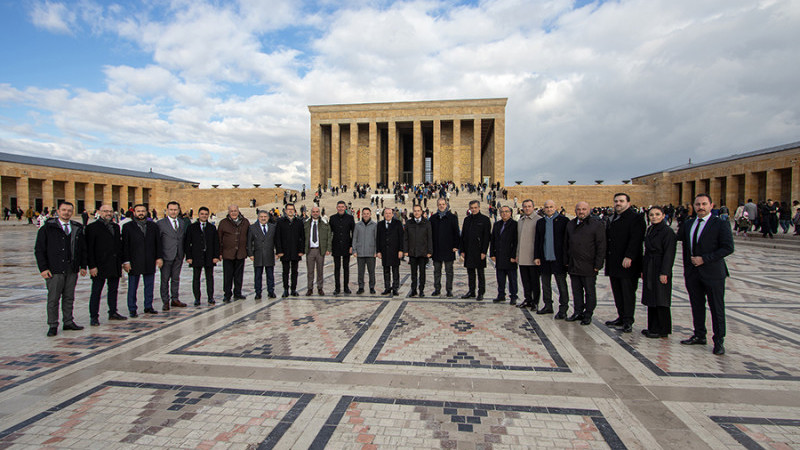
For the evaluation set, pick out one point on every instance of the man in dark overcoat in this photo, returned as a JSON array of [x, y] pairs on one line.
[[201, 246], [104, 258], [624, 240], [389, 246], [141, 255], [584, 254], [342, 226], [290, 244], [548, 254], [261, 251], [475, 236], [503, 251], [446, 236], [418, 246], [233, 231]]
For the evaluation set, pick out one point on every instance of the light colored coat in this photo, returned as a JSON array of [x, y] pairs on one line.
[[364, 239], [526, 238]]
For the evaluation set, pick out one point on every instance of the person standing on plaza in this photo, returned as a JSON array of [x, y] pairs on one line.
[[172, 229], [261, 243], [707, 240], [389, 246], [503, 251], [528, 270], [317, 234], [418, 247], [752, 213], [141, 255], [446, 236], [659, 256], [60, 251], [290, 246], [475, 237], [364, 249], [548, 255], [104, 258], [584, 254], [624, 236], [342, 226], [233, 251], [201, 247]]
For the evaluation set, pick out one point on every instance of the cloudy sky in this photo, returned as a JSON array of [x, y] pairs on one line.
[[217, 91]]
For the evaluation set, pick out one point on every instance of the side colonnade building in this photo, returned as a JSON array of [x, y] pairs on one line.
[[408, 142]]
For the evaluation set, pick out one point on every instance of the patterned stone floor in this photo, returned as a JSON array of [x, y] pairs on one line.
[[397, 372]]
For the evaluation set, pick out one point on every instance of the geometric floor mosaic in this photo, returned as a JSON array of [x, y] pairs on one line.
[[466, 335], [296, 329], [145, 414], [761, 433], [369, 422]]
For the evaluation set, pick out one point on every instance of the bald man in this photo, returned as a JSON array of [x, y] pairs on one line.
[[548, 253], [584, 253]]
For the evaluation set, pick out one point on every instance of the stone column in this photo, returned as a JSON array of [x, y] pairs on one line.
[[419, 157], [715, 191], [499, 151], [795, 183], [353, 153], [374, 161], [23, 193], [476, 151], [316, 156], [336, 178], [687, 193], [88, 197], [437, 150], [394, 162], [69, 193], [123, 197], [138, 195], [732, 193], [48, 201], [108, 194], [773, 184], [457, 158]]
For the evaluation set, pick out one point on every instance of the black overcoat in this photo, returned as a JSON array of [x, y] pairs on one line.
[[140, 249], [624, 238], [417, 238], [446, 236], [201, 246], [290, 239], [504, 245], [56, 251], [475, 236], [585, 247], [559, 230], [104, 249], [342, 227], [389, 242], [659, 256]]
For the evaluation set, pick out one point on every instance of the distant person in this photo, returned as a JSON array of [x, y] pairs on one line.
[[141, 247], [104, 258], [233, 251], [201, 247]]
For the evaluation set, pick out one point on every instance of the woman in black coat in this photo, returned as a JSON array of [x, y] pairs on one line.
[[659, 256]]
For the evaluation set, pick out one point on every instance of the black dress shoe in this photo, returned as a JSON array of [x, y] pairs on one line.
[[372, 291], [320, 292], [212, 302], [257, 297], [386, 292], [165, 308], [133, 314], [94, 322], [394, 292], [560, 316], [513, 301], [421, 294], [295, 294], [498, 300], [614, 323], [694, 340], [52, 331], [240, 297], [526, 304], [719, 349], [336, 291], [479, 298], [285, 294], [574, 317], [545, 310], [628, 328], [197, 303], [271, 295], [587, 320], [468, 295], [347, 291], [412, 294], [226, 300], [651, 335], [359, 291], [150, 311], [449, 294], [72, 326], [116, 316], [436, 293]]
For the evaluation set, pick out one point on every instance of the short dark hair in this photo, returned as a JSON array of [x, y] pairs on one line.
[[366, 209], [527, 200], [703, 194], [173, 202], [290, 204], [140, 204], [627, 197], [341, 202], [656, 207], [66, 203], [203, 208], [474, 202]]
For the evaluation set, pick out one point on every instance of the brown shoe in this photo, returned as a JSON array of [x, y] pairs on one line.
[[177, 304], [165, 308], [320, 292], [309, 292]]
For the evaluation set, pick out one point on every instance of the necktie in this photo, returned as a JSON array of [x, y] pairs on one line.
[[175, 224], [695, 237], [503, 228], [264, 227], [202, 227], [66, 228], [314, 231]]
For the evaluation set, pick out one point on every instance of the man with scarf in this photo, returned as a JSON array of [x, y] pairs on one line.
[[548, 253], [364, 249], [141, 247], [475, 237], [233, 251], [445, 232], [104, 257]]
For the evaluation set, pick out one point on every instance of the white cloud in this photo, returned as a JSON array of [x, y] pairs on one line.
[[53, 16]]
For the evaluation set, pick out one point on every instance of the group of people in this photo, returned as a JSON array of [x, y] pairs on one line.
[[539, 247]]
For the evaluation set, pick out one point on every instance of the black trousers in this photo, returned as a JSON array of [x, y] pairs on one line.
[[511, 275], [624, 290], [547, 269], [418, 264], [584, 294], [289, 267], [232, 276], [341, 264], [448, 275], [480, 272], [529, 275], [97, 289], [659, 319], [711, 291], [209, 270], [391, 276]]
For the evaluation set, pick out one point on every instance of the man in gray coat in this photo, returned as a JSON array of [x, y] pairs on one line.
[[364, 249], [172, 230], [261, 250]]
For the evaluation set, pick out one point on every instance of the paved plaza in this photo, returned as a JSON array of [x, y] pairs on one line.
[[363, 372]]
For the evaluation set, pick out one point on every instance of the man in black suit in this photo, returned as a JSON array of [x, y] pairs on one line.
[[624, 240], [548, 253], [342, 227], [141, 247], [418, 245], [60, 252], [261, 251], [104, 257], [201, 247], [444, 226], [290, 244], [503, 251], [707, 240], [584, 254], [389, 246], [475, 236]]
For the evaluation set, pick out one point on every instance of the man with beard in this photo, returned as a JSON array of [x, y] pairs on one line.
[[342, 226], [475, 234], [290, 245], [444, 227], [233, 250], [549, 256], [624, 240], [202, 253], [104, 258], [584, 254], [141, 247]]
